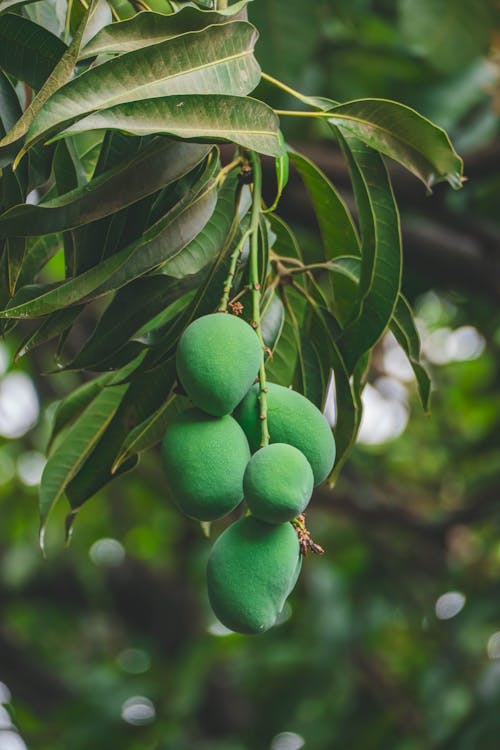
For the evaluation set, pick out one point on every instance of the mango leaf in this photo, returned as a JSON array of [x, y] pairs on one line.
[[146, 393], [156, 166], [48, 329], [381, 258], [312, 380], [60, 74], [337, 228], [132, 306], [209, 242], [282, 165], [281, 366], [28, 52], [347, 391], [74, 404], [159, 243], [272, 319], [10, 112], [404, 329], [149, 28], [218, 59], [242, 120], [70, 455], [148, 433], [6, 4], [402, 326], [398, 131]]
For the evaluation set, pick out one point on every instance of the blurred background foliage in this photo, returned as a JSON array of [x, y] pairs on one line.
[[392, 638]]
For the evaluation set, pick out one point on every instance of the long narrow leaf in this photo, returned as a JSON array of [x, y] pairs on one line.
[[201, 117], [149, 28], [218, 59]]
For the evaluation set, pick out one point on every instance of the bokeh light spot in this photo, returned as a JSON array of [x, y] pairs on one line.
[[138, 710], [449, 605], [107, 553]]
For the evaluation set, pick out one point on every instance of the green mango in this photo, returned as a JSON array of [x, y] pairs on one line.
[[204, 458], [251, 571], [278, 483], [218, 358], [292, 419]]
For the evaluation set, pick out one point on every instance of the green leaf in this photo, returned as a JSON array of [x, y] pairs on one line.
[[217, 60], [404, 329], [148, 433], [48, 329], [281, 367], [402, 326], [156, 166], [347, 389], [272, 319], [282, 164], [60, 74], [146, 393], [311, 376], [381, 261], [401, 133], [74, 404], [132, 307], [6, 4], [28, 52], [149, 28], [70, 455], [209, 242], [159, 243], [338, 232], [242, 120], [335, 221]]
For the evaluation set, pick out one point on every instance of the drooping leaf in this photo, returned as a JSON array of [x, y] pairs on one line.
[[149, 28], [398, 131], [7, 4], [28, 51], [159, 243], [132, 306], [402, 326], [146, 393], [272, 319], [70, 454], [60, 74], [10, 112], [218, 59], [381, 257], [406, 333], [148, 433], [48, 329], [209, 242], [201, 117], [157, 165]]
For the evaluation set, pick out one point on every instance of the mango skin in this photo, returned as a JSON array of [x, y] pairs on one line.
[[278, 483], [251, 571], [292, 419], [204, 458], [218, 358]]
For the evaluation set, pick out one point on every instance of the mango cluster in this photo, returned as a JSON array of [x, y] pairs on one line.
[[213, 460]]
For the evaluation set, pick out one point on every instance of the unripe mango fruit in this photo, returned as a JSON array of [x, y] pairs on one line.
[[292, 419], [278, 483], [205, 459], [251, 571], [218, 358]]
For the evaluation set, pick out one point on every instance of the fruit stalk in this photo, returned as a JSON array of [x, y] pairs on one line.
[[255, 287]]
